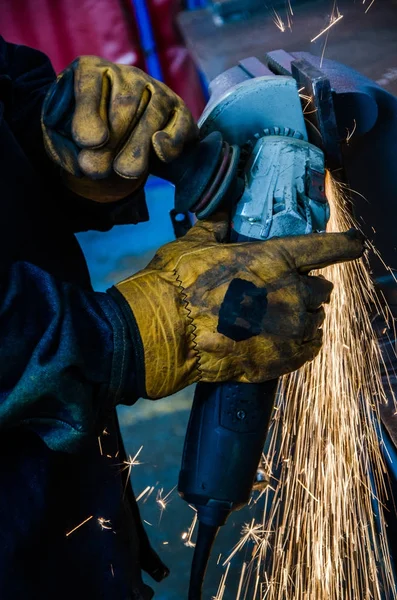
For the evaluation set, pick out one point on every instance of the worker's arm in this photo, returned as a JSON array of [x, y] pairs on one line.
[[65, 357], [202, 310], [26, 75]]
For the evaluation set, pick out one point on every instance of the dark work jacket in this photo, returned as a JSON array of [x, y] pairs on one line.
[[66, 361]]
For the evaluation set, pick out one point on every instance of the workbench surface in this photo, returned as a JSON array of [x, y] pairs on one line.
[[365, 41]]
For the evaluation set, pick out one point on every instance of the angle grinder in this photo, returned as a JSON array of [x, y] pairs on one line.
[[255, 161]]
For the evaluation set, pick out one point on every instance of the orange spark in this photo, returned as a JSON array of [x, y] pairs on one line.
[[78, 526]]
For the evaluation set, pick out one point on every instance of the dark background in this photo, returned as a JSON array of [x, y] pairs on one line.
[[117, 30]]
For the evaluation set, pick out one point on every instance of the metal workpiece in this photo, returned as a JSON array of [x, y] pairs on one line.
[[242, 110], [315, 86], [354, 97], [284, 190], [322, 113]]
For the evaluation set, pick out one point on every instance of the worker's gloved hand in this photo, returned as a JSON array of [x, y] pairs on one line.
[[101, 121], [213, 312]]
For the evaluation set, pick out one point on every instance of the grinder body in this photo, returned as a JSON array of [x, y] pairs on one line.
[[282, 194]]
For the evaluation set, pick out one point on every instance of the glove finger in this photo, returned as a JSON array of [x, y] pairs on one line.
[[313, 323], [91, 89], [307, 352], [319, 250], [215, 229], [126, 108], [96, 164], [180, 130], [132, 161], [63, 151], [317, 291], [310, 349]]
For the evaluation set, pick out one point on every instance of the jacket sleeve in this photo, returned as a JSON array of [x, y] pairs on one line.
[[25, 77], [66, 358]]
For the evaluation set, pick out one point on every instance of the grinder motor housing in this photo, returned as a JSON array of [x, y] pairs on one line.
[[261, 120]]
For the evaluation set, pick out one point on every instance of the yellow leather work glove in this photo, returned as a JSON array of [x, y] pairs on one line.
[[249, 312], [100, 121]]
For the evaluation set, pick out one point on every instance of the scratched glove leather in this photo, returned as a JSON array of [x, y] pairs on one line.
[[101, 120], [248, 312]]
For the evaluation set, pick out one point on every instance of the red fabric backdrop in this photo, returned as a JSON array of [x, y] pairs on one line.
[[65, 29], [177, 66]]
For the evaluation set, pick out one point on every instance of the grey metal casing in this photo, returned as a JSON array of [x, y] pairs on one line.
[[267, 110], [277, 180], [240, 110]]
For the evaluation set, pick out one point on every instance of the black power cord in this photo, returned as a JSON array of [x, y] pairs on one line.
[[205, 540]]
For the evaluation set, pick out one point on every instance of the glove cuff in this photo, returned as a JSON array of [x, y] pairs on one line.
[[137, 345], [163, 333]]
